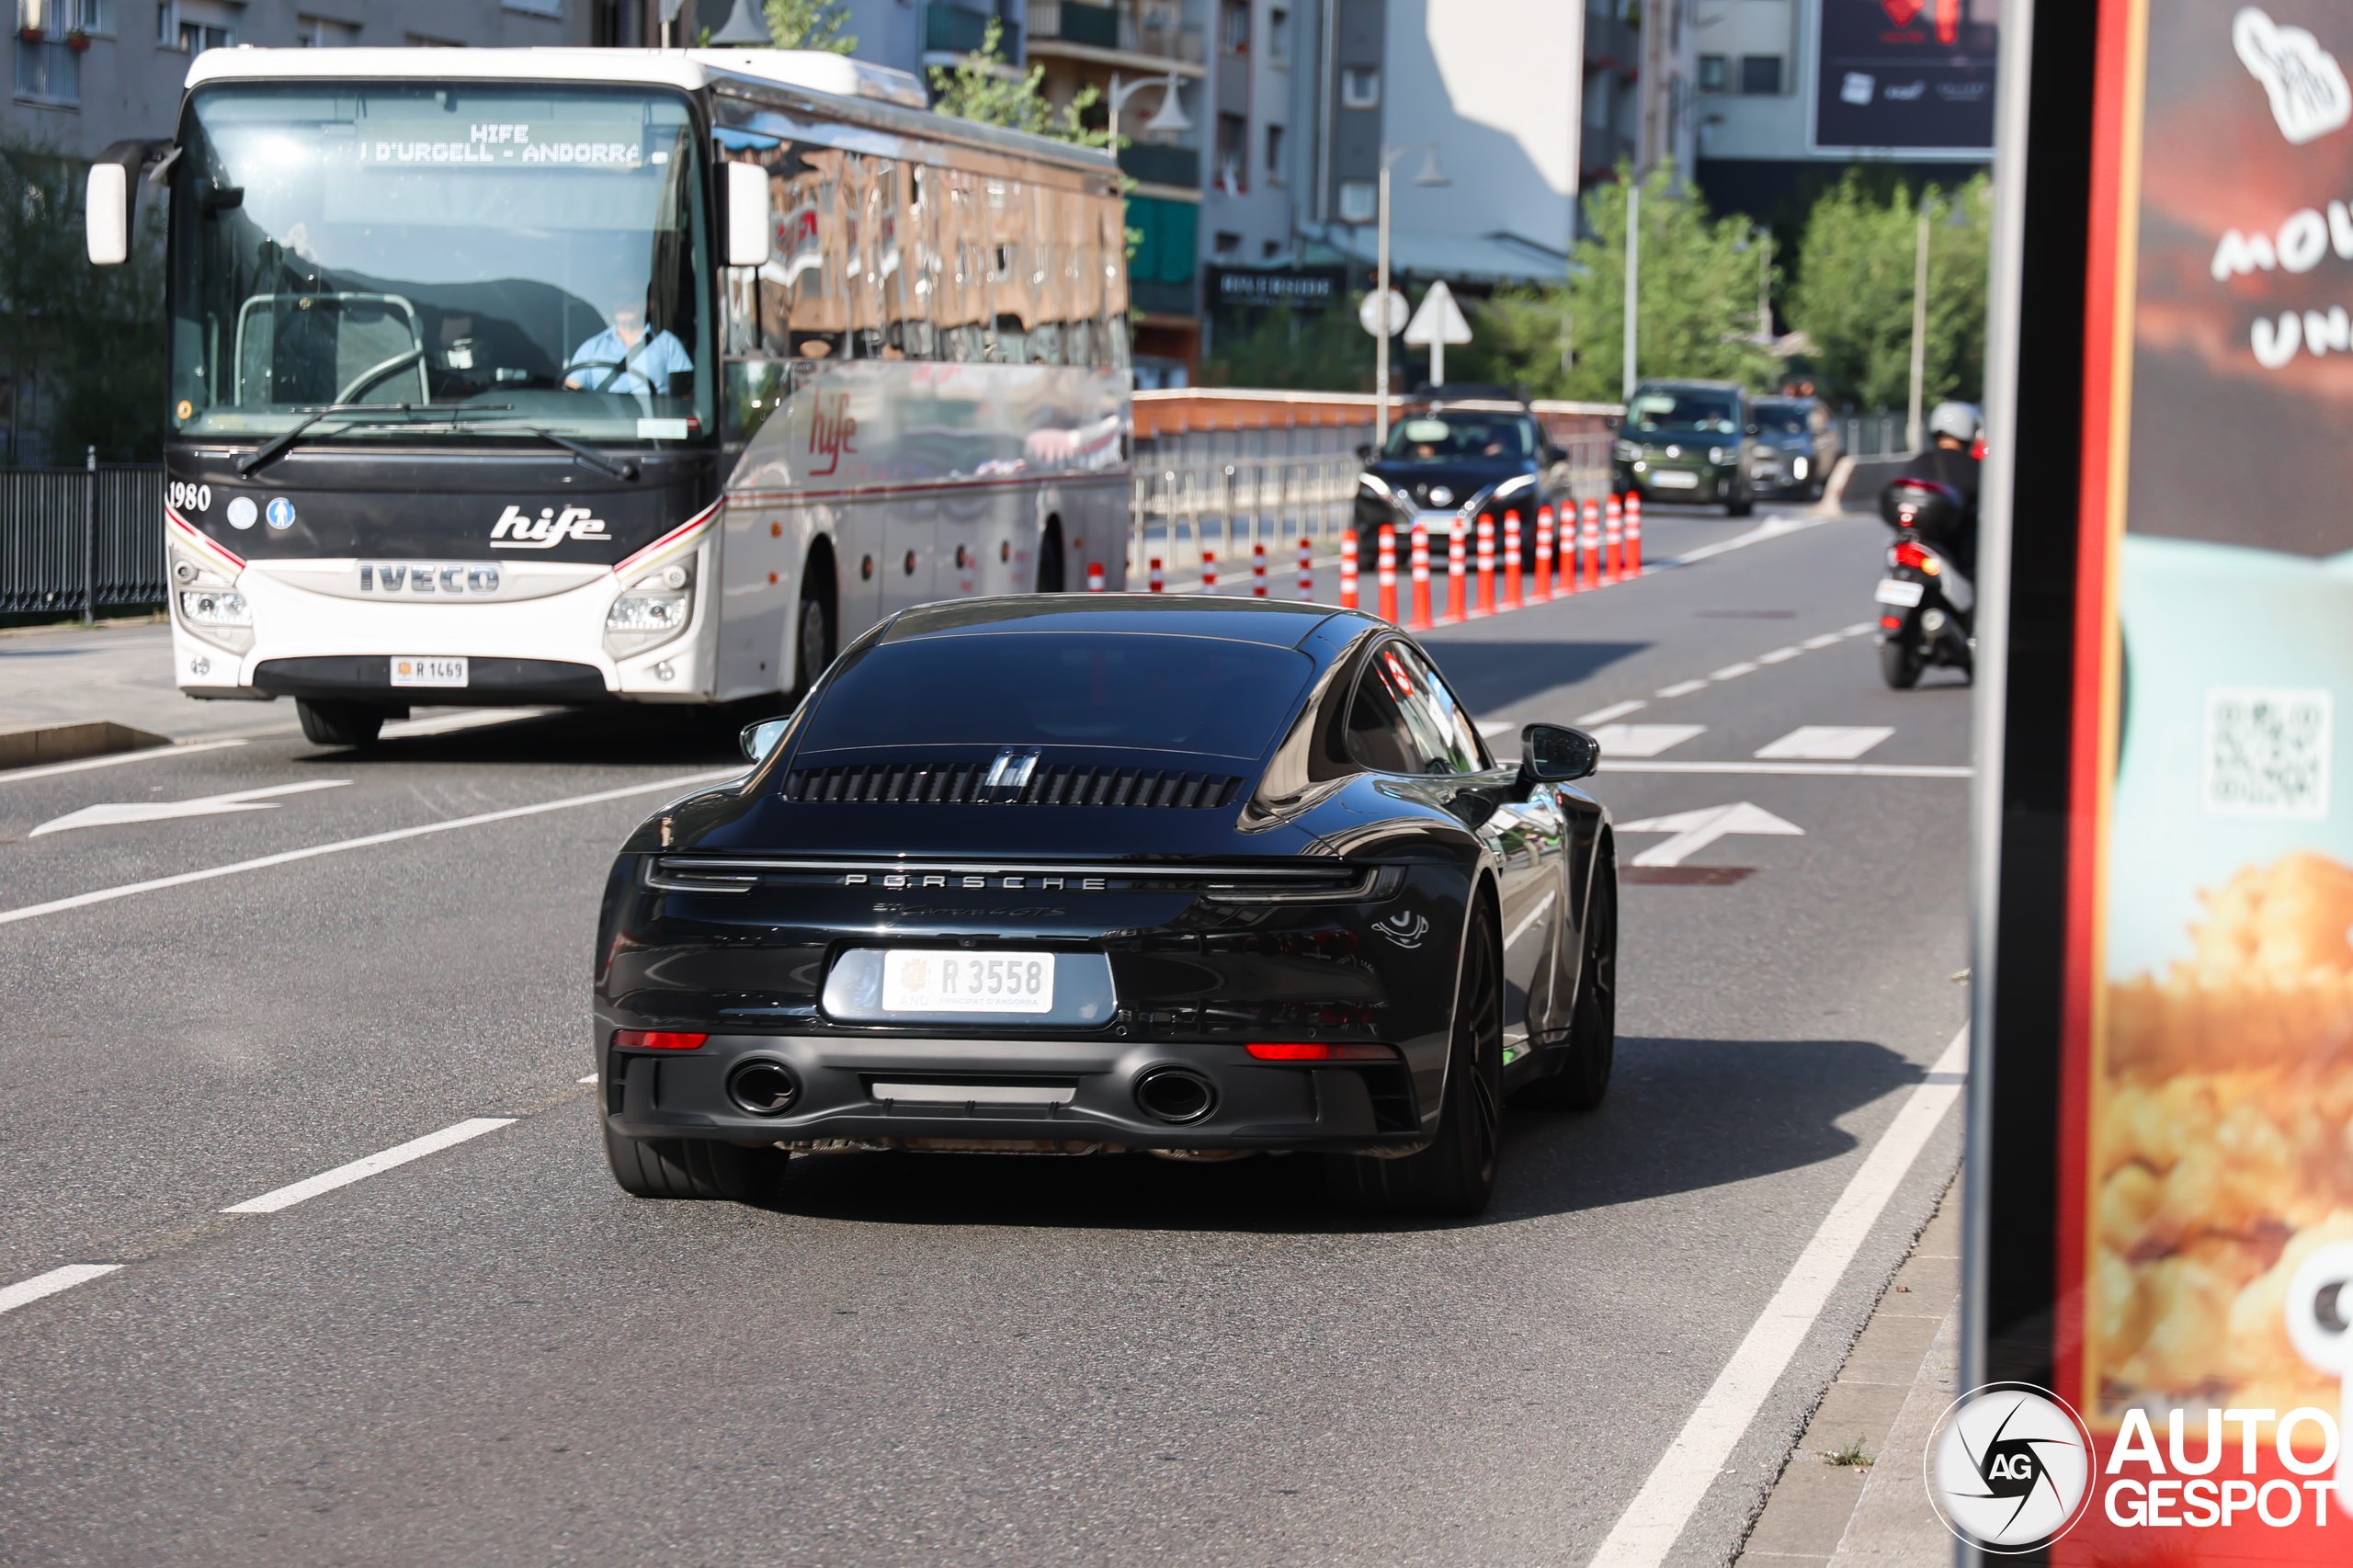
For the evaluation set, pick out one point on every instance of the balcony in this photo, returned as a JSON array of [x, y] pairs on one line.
[[1178, 167], [1110, 36], [1075, 23], [952, 29]]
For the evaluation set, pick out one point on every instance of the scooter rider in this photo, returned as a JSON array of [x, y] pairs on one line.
[[1954, 426]]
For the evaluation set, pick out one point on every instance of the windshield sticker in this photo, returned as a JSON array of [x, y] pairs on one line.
[[507, 144]]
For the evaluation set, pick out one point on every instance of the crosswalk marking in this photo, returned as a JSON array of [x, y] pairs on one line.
[[1615, 710], [1643, 740], [1827, 743]]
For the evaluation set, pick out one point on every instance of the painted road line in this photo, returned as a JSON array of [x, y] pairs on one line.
[[24, 1293], [119, 812], [1774, 528], [1856, 630], [116, 760], [360, 1170], [1491, 727], [1732, 672], [1694, 831], [1786, 769], [1528, 919], [1648, 1530], [590, 1079], [1827, 743], [1615, 710], [1827, 638], [103, 895], [1779, 655], [1682, 688], [1644, 740], [467, 719]]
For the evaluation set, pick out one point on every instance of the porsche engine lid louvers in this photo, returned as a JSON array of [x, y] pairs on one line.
[[972, 783]]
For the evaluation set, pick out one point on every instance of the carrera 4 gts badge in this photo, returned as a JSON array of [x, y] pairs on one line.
[[516, 529], [1406, 928]]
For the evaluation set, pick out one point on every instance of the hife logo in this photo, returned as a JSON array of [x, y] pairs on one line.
[[2009, 1468], [516, 529], [831, 425]]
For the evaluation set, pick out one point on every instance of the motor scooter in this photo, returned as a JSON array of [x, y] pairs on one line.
[[1924, 603]]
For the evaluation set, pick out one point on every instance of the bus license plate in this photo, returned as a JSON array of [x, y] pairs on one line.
[[428, 672], [928, 981], [1897, 591]]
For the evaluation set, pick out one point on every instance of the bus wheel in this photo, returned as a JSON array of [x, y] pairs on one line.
[[329, 721], [814, 648], [1049, 557]]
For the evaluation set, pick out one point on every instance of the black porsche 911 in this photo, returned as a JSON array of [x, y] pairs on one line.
[[1098, 874]]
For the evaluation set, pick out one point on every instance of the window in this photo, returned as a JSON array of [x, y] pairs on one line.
[[1361, 87], [1234, 28], [1359, 201], [1234, 153], [1278, 37], [58, 18], [1760, 74], [1711, 72], [1403, 719], [318, 32], [48, 74], [1269, 249], [418, 41], [535, 7], [1274, 148], [1228, 244], [194, 26]]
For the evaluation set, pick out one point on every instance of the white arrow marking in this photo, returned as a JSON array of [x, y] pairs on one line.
[[202, 806], [1694, 831]]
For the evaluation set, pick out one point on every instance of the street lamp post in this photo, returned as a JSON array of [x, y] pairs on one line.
[[1431, 174], [1919, 326], [1170, 116], [1633, 281]]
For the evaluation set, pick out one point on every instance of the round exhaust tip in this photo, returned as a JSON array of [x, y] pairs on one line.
[[764, 1088], [1176, 1095]]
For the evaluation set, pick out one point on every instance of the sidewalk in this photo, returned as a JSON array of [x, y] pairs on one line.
[[55, 675], [1898, 1379]]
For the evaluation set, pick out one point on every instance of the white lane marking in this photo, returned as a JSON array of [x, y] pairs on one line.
[[1779, 655], [1644, 740], [1694, 831], [1491, 727], [119, 812], [1682, 688], [1856, 630], [25, 1291], [1774, 528], [360, 1170], [590, 1079], [103, 895], [1732, 672], [116, 760], [1827, 743], [1795, 769], [1528, 919], [1827, 638], [471, 719], [1615, 710], [1651, 1523]]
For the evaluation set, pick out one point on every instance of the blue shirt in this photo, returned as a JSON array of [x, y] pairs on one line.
[[656, 358]]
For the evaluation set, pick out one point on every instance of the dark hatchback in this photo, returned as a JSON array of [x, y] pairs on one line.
[[1113, 874], [1687, 441], [1454, 455]]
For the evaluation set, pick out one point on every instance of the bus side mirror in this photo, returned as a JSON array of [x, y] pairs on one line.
[[749, 227], [108, 215]]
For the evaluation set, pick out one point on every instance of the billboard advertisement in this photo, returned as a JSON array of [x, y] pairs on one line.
[[1905, 77]]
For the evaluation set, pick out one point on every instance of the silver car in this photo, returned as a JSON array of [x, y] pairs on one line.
[[1795, 446]]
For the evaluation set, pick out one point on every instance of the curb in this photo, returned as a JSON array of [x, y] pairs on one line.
[[23, 745]]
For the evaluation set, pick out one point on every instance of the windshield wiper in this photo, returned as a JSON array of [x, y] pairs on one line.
[[360, 413]]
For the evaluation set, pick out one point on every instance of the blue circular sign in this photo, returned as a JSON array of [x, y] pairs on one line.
[[280, 513]]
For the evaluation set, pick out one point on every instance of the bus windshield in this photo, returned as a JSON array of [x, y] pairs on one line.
[[533, 255]]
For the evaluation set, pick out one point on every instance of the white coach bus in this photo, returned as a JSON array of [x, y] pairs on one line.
[[563, 376]]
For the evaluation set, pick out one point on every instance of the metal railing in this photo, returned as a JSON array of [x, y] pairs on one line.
[[80, 539], [1230, 492], [1875, 435]]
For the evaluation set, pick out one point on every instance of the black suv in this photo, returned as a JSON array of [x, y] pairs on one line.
[[1455, 449]]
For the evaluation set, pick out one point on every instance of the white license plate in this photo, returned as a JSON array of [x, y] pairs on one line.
[[1675, 478], [428, 672], [919, 980], [1897, 591]]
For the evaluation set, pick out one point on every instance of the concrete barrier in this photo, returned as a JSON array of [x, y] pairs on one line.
[[1866, 477], [24, 745]]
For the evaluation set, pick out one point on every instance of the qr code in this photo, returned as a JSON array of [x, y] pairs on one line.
[[2266, 753]]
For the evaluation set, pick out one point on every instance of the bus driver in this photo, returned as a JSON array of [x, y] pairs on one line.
[[624, 358]]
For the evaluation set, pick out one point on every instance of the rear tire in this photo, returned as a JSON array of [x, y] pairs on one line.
[[1740, 507], [334, 722], [694, 1169], [812, 648], [1899, 662], [1049, 557], [1456, 1175], [1583, 1078]]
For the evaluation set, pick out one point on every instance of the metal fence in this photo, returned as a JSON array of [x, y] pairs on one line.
[[75, 539], [1875, 435], [1230, 492]]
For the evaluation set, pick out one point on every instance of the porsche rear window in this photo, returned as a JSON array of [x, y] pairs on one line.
[[1185, 694]]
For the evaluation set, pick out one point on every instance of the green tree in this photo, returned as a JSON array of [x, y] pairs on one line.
[[85, 343], [977, 88], [1316, 351], [1853, 301], [807, 24], [1696, 294]]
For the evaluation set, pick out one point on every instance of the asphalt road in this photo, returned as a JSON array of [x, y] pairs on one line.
[[490, 1355]]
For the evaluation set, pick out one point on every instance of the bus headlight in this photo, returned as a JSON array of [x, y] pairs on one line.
[[655, 609], [209, 606]]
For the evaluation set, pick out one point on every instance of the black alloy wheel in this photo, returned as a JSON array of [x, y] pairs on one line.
[[336, 721], [1583, 1076], [1899, 659], [694, 1167], [1456, 1173]]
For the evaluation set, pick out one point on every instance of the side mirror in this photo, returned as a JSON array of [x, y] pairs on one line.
[[1554, 754], [760, 739], [1364, 452], [749, 225], [108, 215]]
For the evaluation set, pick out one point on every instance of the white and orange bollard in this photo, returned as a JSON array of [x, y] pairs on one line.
[[1421, 621], [1257, 570], [1458, 586], [1633, 534], [1386, 570], [1592, 544], [1152, 577], [1208, 569], [1348, 568], [1095, 576], [1544, 588], [1486, 602], [1512, 599], [1306, 571], [1613, 527]]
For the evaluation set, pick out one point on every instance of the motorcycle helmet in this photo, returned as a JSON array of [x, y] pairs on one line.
[[1958, 420], [1932, 511]]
